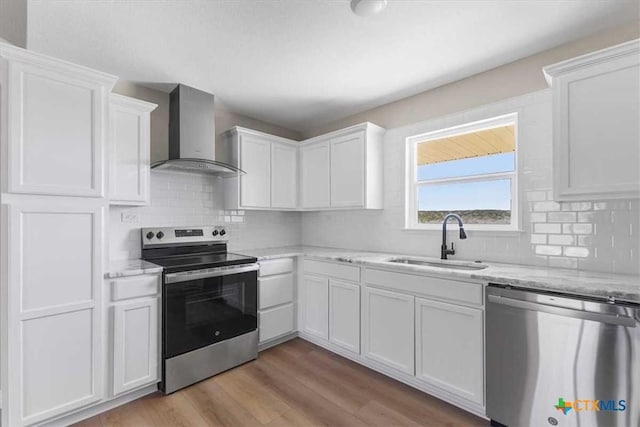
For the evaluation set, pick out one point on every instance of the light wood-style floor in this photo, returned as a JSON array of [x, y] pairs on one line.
[[293, 384]]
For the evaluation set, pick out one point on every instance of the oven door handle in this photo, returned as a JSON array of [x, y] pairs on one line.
[[185, 276]]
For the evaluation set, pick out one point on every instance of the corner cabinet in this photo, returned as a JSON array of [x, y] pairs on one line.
[[129, 150], [596, 124], [343, 169], [271, 166]]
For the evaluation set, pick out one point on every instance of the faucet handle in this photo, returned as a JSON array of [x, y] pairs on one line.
[[452, 248]]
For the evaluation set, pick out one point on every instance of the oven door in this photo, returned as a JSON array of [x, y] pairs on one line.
[[204, 307]]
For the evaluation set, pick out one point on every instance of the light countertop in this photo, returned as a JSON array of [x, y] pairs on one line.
[[578, 282], [131, 267]]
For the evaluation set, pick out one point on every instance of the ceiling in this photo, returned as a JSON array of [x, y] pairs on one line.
[[303, 63]]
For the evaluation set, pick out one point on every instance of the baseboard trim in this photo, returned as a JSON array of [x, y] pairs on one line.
[[102, 407], [409, 380], [278, 340]]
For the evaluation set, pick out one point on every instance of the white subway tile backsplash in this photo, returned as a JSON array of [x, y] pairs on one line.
[[548, 250], [187, 199], [546, 206], [547, 228], [567, 234], [562, 217]]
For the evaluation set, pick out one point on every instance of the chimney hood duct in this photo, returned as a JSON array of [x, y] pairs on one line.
[[192, 135]]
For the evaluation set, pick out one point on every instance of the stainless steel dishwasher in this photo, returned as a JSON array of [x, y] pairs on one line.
[[555, 359]]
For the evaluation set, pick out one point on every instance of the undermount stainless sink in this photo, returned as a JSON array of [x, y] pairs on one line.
[[454, 265]]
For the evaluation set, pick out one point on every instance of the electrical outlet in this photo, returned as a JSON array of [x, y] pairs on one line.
[[129, 216]]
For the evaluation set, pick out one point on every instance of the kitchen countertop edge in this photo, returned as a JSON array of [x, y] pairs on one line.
[[577, 282], [131, 267]]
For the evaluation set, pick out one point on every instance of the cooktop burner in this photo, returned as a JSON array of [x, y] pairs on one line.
[[189, 248]]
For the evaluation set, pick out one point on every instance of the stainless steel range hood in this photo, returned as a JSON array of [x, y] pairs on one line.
[[192, 133]]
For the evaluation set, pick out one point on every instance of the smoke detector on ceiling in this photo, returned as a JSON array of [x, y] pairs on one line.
[[367, 8]]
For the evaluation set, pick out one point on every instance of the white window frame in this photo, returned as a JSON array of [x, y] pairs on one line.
[[412, 183]]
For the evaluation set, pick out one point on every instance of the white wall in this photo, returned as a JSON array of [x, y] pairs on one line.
[[514, 79], [599, 236], [181, 199]]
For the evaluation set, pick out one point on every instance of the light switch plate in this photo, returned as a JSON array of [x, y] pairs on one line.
[[129, 216]]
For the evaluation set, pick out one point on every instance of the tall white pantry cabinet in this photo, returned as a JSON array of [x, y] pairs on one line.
[[54, 140]]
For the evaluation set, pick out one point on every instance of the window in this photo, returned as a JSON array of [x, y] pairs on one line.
[[470, 170]]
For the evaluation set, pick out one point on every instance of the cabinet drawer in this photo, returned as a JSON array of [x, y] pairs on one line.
[[451, 290], [276, 266], [134, 287], [339, 271], [275, 322], [275, 290]]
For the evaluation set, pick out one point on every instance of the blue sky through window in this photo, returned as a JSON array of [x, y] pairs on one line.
[[465, 167], [492, 195], [495, 194]]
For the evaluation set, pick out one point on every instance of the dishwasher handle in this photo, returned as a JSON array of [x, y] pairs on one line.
[[562, 311]]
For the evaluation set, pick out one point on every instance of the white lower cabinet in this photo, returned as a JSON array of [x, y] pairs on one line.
[[276, 322], [276, 299], [388, 334], [316, 306], [344, 315], [449, 348], [135, 344]]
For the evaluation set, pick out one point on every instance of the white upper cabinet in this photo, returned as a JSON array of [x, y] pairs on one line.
[[255, 160], [129, 150], [343, 169], [596, 124], [56, 120], [271, 165], [314, 175], [348, 170], [284, 176]]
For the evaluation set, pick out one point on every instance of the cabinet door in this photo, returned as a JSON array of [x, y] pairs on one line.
[[255, 160], [316, 306], [348, 171], [129, 125], [449, 348], [596, 123], [284, 176], [314, 172], [54, 309], [344, 315], [388, 328], [57, 126], [135, 344]]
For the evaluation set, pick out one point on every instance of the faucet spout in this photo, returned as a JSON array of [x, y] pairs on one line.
[[444, 251]]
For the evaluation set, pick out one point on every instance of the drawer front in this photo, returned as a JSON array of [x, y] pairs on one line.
[[276, 321], [275, 290], [276, 266], [134, 287], [339, 271], [445, 289]]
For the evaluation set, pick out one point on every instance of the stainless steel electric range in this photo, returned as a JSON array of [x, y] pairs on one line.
[[209, 301]]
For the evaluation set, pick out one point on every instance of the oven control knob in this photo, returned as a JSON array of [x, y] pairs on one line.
[[214, 233], [160, 235], [222, 232], [150, 235]]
